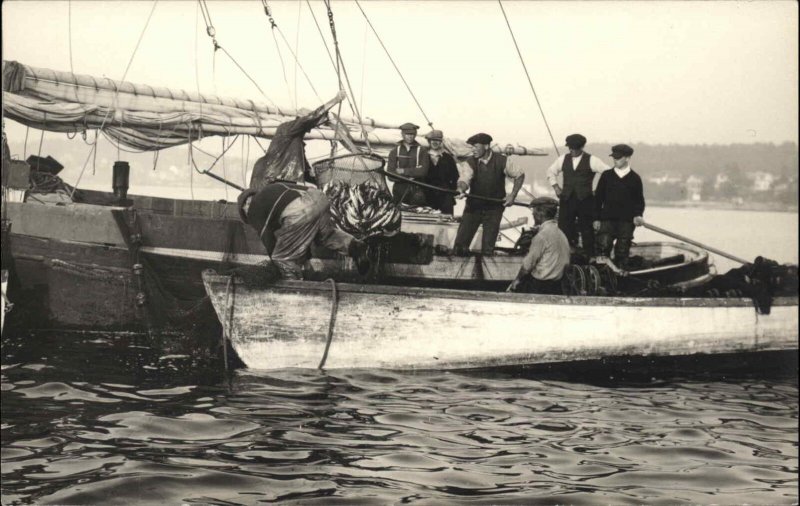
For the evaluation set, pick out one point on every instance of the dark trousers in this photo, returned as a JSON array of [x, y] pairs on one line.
[[408, 193], [470, 221], [620, 231], [548, 287], [571, 209]]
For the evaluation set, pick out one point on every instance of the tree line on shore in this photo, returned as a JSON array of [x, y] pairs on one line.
[[765, 172]]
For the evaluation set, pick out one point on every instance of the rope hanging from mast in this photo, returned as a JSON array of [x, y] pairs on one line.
[[340, 66], [525, 68], [430, 123]]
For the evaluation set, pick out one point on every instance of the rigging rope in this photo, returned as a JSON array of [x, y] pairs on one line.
[[351, 99], [116, 94], [69, 30], [321, 36], [430, 123], [525, 68]]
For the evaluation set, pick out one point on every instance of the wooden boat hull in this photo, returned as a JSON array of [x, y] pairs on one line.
[[287, 325], [75, 264]]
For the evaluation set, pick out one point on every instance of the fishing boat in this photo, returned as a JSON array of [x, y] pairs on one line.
[[376, 326]]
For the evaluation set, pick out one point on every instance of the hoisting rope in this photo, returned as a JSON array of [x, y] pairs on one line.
[[114, 99], [273, 26], [525, 68], [340, 63], [69, 30], [430, 123], [321, 36], [212, 33], [334, 307]]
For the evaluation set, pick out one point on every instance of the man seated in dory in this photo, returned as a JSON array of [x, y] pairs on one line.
[[408, 159], [548, 256], [484, 175], [619, 206]]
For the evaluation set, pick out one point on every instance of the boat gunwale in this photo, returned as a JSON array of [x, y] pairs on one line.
[[211, 278]]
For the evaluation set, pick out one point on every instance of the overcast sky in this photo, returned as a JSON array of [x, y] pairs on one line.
[[656, 72]]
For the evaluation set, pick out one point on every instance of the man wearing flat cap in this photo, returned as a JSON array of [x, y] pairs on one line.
[[410, 160], [577, 169], [619, 206], [548, 256], [443, 173], [484, 175]]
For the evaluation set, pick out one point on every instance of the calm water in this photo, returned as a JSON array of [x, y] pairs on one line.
[[126, 419], [116, 419]]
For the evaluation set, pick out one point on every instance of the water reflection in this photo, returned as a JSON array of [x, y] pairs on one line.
[[109, 419]]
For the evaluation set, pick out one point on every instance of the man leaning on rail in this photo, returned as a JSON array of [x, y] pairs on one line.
[[548, 256], [288, 218]]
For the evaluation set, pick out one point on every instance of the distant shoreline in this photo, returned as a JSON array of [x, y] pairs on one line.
[[725, 205]]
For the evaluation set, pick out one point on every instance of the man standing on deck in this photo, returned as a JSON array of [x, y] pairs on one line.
[[285, 158], [619, 206], [410, 160], [485, 176], [443, 173], [288, 218], [548, 256], [575, 198]]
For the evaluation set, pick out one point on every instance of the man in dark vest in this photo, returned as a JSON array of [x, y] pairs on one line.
[[285, 158], [410, 160], [485, 176], [288, 217], [443, 173], [619, 205], [578, 169]]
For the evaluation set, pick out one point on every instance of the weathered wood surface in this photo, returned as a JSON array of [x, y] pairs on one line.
[[417, 328]]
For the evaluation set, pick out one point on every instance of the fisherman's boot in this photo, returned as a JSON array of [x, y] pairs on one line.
[[359, 252]]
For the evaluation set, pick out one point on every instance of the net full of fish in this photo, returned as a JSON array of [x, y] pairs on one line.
[[363, 210]]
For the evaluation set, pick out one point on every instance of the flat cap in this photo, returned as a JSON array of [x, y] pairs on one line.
[[435, 135], [241, 200], [621, 151], [480, 138], [405, 127], [576, 141], [544, 201]]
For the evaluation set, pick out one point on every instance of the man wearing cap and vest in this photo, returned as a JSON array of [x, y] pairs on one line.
[[285, 158], [548, 256], [410, 160], [443, 173], [485, 176], [288, 218], [578, 169], [619, 206]]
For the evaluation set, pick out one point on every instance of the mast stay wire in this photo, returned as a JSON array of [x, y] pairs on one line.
[[212, 33], [116, 94], [351, 98], [430, 123], [525, 68], [273, 26]]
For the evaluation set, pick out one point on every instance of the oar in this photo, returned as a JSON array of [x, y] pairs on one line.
[[446, 190], [690, 241]]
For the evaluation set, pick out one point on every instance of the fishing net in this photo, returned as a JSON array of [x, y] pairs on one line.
[[351, 169]]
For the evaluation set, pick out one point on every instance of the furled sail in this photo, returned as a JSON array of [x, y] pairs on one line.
[[150, 118]]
